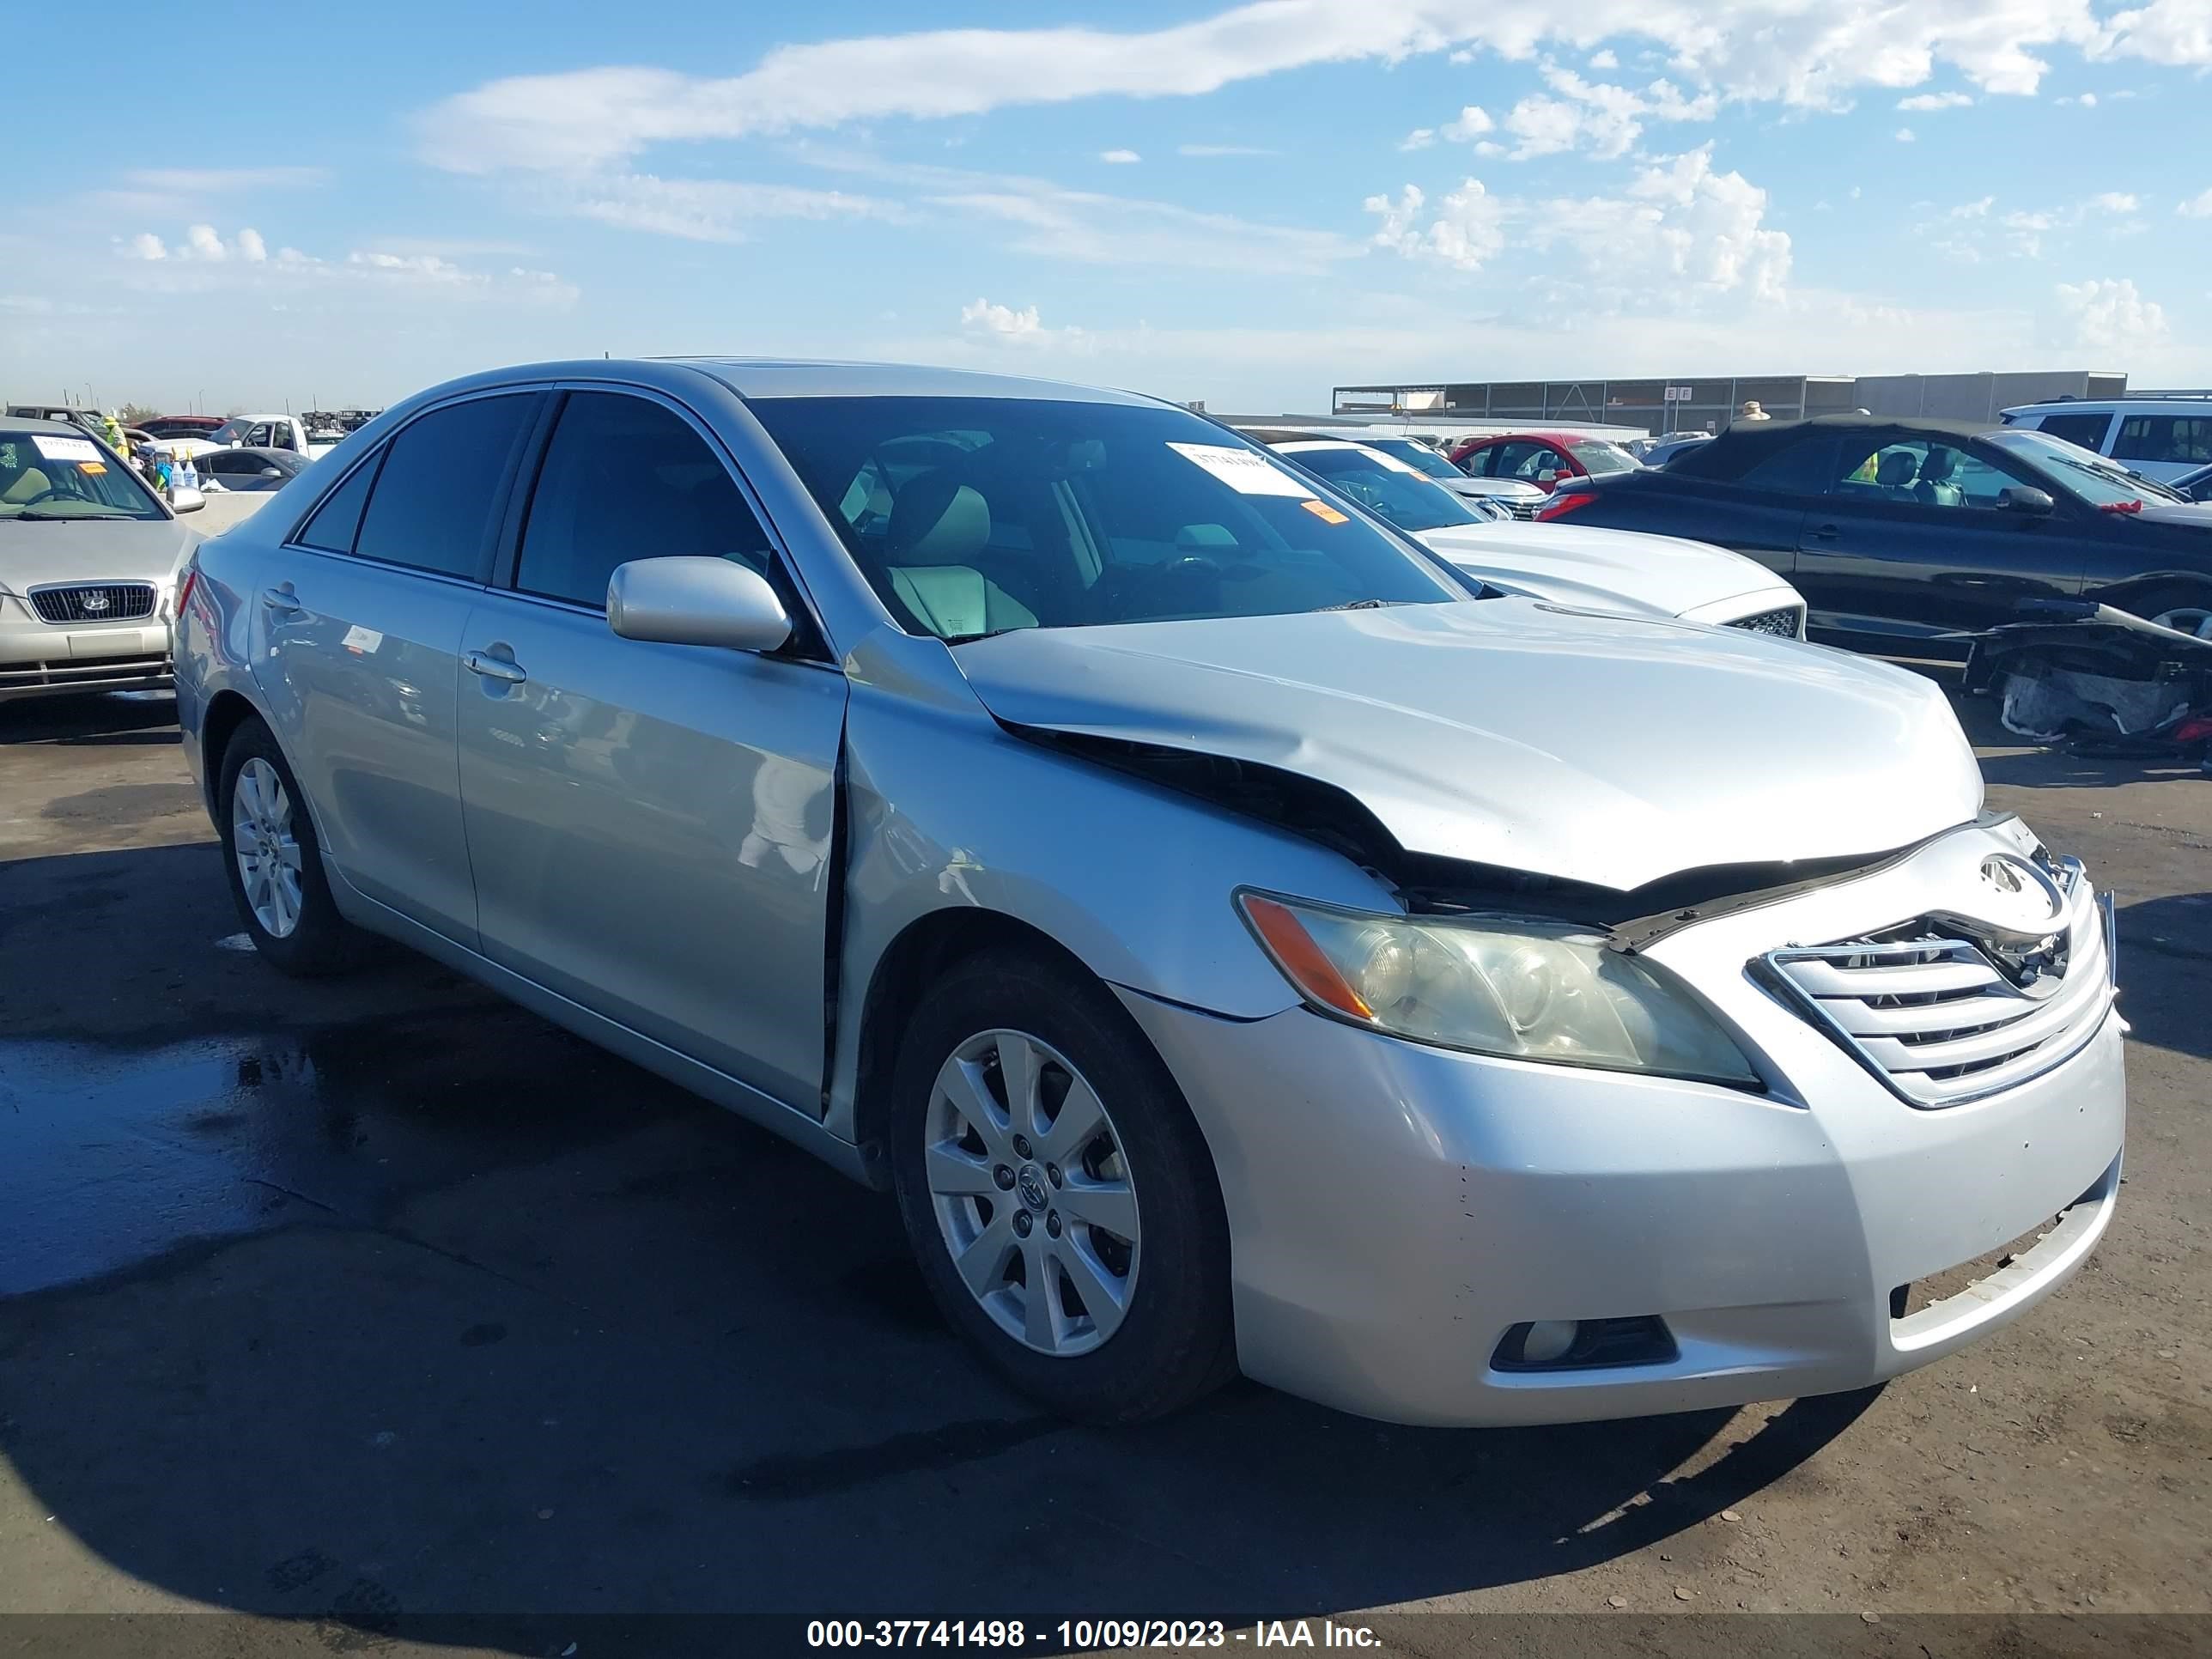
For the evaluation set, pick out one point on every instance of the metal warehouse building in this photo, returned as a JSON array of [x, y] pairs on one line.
[[1694, 403]]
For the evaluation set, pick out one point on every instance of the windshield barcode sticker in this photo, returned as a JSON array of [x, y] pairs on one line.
[[83, 449], [1246, 473]]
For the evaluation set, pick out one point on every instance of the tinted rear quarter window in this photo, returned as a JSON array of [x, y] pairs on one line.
[[1803, 468], [337, 521], [2087, 430], [437, 496]]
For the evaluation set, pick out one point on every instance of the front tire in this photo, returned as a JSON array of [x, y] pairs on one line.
[[1059, 1197], [275, 864]]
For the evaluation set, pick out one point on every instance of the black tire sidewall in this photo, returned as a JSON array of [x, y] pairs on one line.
[[324, 942], [1175, 1343]]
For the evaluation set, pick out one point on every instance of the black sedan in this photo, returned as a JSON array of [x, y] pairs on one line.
[[1908, 538]]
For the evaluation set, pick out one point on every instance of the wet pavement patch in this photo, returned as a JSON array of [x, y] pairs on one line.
[[110, 1157]]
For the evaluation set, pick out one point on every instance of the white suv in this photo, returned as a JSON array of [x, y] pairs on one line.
[[2160, 436]]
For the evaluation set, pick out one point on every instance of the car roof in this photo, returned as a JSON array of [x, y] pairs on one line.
[[1544, 433], [791, 377], [28, 423]]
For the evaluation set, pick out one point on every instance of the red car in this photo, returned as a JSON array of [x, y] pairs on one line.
[[1543, 459]]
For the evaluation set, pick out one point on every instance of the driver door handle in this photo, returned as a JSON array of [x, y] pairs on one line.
[[494, 668], [1823, 532]]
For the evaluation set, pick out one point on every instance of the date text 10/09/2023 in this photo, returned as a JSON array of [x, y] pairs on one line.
[[1086, 1634]]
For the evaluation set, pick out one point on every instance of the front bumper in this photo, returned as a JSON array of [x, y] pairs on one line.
[[39, 660], [1396, 1209]]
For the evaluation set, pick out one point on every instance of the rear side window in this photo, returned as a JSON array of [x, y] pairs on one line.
[[437, 497], [2184, 438], [626, 478], [2087, 430], [337, 521]]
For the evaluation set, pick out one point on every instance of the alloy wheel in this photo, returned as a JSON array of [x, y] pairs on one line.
[[1032, 1193], [266, 847]]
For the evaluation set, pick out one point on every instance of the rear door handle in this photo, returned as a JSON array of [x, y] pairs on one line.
[[281, 598], [1823, 533], [494, 668]]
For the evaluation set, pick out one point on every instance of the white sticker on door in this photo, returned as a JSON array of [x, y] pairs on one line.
[[65, 449], [1246, 473]]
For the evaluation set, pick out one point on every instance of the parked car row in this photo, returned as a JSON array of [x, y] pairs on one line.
[[1239, 937], [1912, 537]]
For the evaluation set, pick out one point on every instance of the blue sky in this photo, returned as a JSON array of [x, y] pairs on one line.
[[1243, 203]]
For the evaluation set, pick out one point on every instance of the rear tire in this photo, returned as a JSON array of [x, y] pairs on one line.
[[275, 864], [1083, 1253]]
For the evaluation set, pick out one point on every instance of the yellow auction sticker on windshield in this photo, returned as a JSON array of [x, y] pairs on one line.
[[1325, 512], [95, 468]]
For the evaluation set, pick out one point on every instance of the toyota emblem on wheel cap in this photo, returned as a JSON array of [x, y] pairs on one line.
[[1032, 1187]]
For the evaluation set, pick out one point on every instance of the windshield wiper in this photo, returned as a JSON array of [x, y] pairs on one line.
[[1360, 605], [985, 634], [32, 513]]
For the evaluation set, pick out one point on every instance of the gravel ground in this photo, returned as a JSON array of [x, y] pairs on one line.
[[366, 1308]]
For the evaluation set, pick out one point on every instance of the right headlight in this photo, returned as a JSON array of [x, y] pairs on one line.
[[1520, 988]]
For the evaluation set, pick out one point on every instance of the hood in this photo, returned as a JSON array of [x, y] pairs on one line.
[[1509, 489], [1602, 750], [1662, 576], [92, 551]]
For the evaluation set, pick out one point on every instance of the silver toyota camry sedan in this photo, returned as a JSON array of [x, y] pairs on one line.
[[1237, 939]]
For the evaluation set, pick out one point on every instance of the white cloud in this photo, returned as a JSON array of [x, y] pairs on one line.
[[201, 242], [1805, 53], [1120, 157], [147, 246], [2197, 207], [251, 247], [1604, 60], [1679, 221], [1975, 209], [204, 262], [700, 210], [1926, 100], [1002, 322], [2086, 101], [1906, 135], [1419, 138], [1604, 119], [2113, 201], [1469, 124], [2109, 315], [212, 181]]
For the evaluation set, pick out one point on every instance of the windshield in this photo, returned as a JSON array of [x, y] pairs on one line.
[[1386, 488], [976, 515], [44, 476], [2086, 477], [1416, 455], [232, 432], [1602, 456]]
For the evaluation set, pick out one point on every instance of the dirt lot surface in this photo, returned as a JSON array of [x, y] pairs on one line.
[[356, 1307]]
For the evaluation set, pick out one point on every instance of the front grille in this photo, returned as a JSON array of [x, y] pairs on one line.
[[1944, 1017], [1787, 622], [95, 602], [1521, 509]]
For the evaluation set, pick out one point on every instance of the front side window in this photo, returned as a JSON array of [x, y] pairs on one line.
[[439, 490], [1919, 472], [2187, 439], [1402, 498], [975, 515], [50, 476], [627, 479]]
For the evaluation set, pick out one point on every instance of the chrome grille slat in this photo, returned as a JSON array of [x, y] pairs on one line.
[[79, 603], [1936, 1018], [1786, 622]]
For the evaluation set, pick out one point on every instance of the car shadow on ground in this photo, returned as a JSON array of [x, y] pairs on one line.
[[143, 717], [441, 1323], [2166, 1006]]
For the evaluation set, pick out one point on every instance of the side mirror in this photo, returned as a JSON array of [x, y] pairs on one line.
[[2021, 498], [272, 471], [182, 500], [696, 601]]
